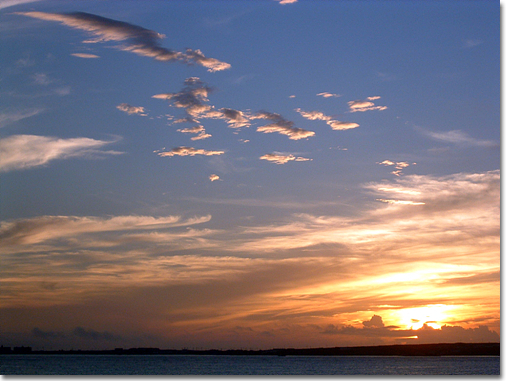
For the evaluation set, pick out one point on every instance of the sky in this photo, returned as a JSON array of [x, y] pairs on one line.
[[249, 174]]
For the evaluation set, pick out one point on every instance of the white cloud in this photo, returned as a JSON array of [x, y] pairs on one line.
[[135, 39], [471, 43], [11, 3], [339, 126], [9, 117], [189, 151], [459, 137], [283, 2], [125, 107], [27, 151], [279, 158], [214, 177]]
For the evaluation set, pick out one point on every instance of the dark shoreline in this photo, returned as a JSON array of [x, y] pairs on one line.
[[454, 349]]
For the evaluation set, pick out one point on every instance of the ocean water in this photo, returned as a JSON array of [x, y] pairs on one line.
[[244, 365]]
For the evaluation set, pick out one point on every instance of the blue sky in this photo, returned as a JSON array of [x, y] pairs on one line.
[[301, 154]]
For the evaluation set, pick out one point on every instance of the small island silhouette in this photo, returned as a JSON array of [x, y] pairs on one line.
[[443, 349]]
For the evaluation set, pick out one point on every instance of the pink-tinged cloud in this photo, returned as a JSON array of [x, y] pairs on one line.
[[27, 151], [399, 166], [279, 158], [366, 105], [283, 2], [214, 177], [189, 151], [334, 124], [134, 38], [327, 95], [281, 126], [125, 107], [84, 55]]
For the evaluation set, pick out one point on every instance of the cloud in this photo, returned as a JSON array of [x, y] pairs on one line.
[[471, 43], [214, 177], [135, 39], [50, 335], [459, 138], [125, 107], [42, 79], [401, 202], [281, 126], [334, 124], [234, 118], [85, 55], [191, 98], [367, 105], [94, 335], [196, 130], [327, 95], [278, 158], [376, 322], [11, 3], [283, 2], [189, 151], [399, 166], [9, 117], [28, 151]]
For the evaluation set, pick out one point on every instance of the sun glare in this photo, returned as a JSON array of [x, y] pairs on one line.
[[432, 315]]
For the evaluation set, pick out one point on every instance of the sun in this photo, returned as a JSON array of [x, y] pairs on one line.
[[432, 315]]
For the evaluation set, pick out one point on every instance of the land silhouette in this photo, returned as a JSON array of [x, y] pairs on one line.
[[443, 349]]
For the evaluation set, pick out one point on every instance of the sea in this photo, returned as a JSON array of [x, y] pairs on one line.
[[223, 365]]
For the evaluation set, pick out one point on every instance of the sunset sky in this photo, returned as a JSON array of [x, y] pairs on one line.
[[249, 174]]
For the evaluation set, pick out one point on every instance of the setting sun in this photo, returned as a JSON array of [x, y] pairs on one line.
[[431, 315]]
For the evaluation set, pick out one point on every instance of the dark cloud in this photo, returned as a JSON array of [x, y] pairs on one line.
[[281, 126], [376, 321], [94, 335], [36, 332], [134, 38]]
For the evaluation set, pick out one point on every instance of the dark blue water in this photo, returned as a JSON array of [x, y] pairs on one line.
[[244, 365]]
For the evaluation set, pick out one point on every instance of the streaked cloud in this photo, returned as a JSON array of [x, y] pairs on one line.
[[283, 2], [334, 124], [279, 158], [85, 55], [134, 38], [327, 95], [189, 151], [27, 151], [11, 3], [365, 105], [281, 126], [11, 116], [214, 177], [401, 202], [458, 137], [125, 107]]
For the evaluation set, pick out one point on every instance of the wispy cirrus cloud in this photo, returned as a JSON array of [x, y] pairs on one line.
[[188, 151], [280, 158], [283, 2], [85, 55], [327, 95], [11, 116], [365, 105], [27, 151], [459, 138], [130, 110], [135, 39], [281, 126], [334, 124]]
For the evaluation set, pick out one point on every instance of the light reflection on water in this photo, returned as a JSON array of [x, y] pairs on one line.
[[244, 365]]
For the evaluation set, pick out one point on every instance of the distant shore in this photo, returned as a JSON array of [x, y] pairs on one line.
[[444, 349]]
